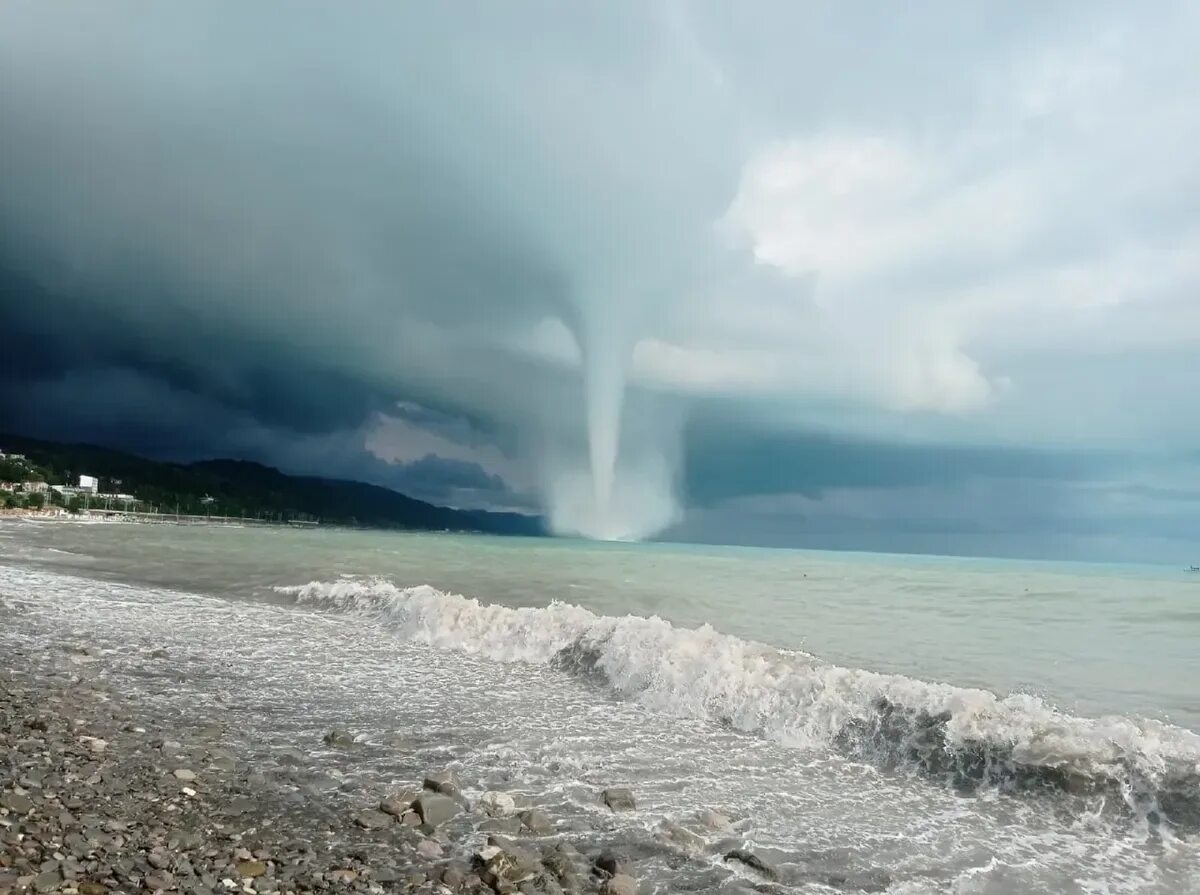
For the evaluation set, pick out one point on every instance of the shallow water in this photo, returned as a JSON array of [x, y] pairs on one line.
[[881, 723]]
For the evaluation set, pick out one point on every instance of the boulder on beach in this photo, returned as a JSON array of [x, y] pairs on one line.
[[537, 821], [612, 863], [434, 808], [497, 804], [619, 798], [620, 884], [370, 819], [752, 861], [398, 802], [498, 864], [445, 782]]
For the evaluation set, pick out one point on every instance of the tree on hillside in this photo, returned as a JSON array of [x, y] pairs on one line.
[[35, 501]]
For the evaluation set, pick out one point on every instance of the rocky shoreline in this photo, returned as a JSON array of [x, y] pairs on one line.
[[96, 798]]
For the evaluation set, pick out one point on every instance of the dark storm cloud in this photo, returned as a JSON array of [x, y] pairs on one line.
[[874, 255], [742, 461]]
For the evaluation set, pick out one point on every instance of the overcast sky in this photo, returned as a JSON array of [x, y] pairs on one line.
[[920, 281]]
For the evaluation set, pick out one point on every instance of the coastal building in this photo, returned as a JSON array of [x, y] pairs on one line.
[[114, 500], [89, 484], [34, 487]]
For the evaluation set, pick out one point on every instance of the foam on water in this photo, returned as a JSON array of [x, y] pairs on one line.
[[968, 737]]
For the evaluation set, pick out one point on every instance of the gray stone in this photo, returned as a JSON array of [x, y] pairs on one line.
[[47, 881], [372, 819], [399, 802], [510, 825], [186, 839], [16, 802], [507, 864], [611, 863], [454, 876], [537, 821], [561, 864], [680, 837], [620, 885], [384, 874], [445, 782], [435, 809], [752, 861], [497, 804], [618, 798], [429, 850], [183, 775], [160, 880]]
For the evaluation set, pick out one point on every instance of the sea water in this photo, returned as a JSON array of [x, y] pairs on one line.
[[873, 723]]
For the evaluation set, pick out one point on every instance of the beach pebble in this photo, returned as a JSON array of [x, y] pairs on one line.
[[445, 782], [510, 825], [251, 869], [497, 804], [509, 864], [47, 881], [537, 822], [183, 775], [435, 809], [371, 819], [680, 837], [752, 861], [429, 850], [159, 881], [618, 798], [398, 803], [16, 802], [620, 885], [611, 863]]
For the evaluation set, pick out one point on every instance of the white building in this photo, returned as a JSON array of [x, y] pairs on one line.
[[88, 483], [34, 487]]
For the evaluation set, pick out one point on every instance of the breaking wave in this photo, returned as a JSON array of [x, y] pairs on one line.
[[966, 737]]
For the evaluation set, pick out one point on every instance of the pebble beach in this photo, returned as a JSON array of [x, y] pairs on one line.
[[98, 796]]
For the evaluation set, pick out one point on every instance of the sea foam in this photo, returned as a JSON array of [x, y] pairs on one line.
[[967, 737]]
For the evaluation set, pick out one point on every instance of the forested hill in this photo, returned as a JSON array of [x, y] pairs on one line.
[[243, 488]]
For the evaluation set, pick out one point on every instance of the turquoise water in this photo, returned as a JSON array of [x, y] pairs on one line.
[[925, 724], [1091, 638]]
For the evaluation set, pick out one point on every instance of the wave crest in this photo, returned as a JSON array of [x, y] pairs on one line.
[[967, 737]]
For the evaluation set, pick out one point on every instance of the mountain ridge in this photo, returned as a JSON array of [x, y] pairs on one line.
[[250, 488]]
